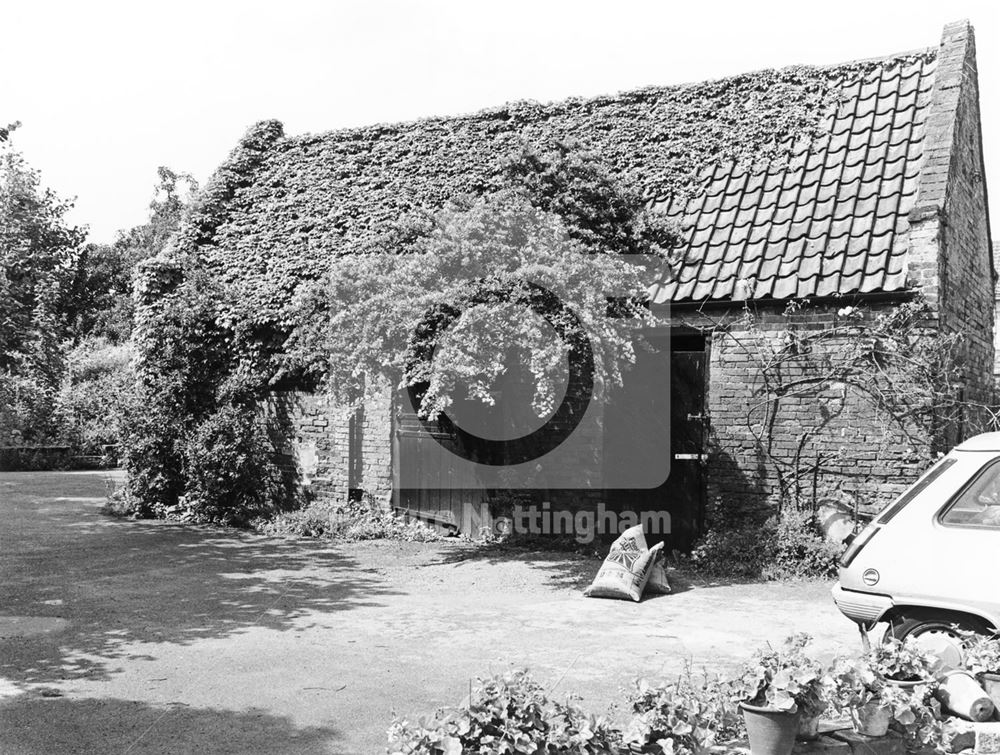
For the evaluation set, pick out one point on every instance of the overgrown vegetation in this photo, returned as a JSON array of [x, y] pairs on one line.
[[790, 545], [66, 311], [367, 519], [560, 221]]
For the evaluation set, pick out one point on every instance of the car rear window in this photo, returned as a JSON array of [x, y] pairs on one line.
[[918, 487], [978, 504]]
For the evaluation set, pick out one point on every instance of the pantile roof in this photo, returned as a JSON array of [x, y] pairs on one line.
[[830, 219], [789, 183]]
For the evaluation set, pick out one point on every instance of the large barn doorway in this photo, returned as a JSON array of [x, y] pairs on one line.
[[667, 387], [680, 361], [451, 498]]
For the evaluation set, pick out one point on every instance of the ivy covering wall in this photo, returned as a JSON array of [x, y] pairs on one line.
[[215, 309]]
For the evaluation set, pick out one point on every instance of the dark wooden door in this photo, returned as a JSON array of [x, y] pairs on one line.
[[682, 494], [429, 484], [684, 490]]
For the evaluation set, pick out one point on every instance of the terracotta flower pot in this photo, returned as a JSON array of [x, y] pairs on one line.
[[871, 719], [808, 728], [961, 695], [770, 731], [902, 685], [991, 683]]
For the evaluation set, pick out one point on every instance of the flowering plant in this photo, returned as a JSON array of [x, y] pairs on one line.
[[685, 717], [982, 653], [863, 683], [902, 661], [785, 679]]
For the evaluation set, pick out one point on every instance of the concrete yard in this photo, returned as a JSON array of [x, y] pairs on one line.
[[148, 637]]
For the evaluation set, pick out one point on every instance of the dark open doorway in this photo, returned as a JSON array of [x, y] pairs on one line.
[[674, 377]]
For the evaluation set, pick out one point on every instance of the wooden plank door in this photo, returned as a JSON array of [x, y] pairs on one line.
[[437, 490]]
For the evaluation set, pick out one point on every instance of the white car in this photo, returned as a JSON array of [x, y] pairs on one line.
[[930, 562]]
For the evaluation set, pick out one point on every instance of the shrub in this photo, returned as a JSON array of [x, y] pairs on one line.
[[801, 550], [197, 441], [27, 409], [739, 552], [230, 470], [94, 394], [506, 713], [790, 545]]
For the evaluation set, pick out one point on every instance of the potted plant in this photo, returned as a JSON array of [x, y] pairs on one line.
[[775, 689], [859, 694], [866, 691], [902, 663], [982, 659]]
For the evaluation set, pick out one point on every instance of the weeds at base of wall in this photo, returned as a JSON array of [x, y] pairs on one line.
[[357, 520], [786, 546]]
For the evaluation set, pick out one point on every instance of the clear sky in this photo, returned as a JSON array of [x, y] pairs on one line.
[[108, 91]]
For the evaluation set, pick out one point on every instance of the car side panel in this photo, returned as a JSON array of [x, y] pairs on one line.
[[921, 562]]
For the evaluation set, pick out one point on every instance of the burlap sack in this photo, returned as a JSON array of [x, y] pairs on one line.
[[626, 569], [657, 583]]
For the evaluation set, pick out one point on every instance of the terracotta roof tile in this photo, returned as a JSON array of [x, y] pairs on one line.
[[829, 221]]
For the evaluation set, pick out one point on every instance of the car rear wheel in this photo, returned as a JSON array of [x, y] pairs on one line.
[[936, 632]]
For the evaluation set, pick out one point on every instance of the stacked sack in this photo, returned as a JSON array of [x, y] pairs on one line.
[[629, 568]]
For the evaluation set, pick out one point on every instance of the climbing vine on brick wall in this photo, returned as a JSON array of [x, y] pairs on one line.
[[892, 370]]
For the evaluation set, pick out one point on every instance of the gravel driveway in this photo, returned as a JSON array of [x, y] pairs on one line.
[[146, 637]]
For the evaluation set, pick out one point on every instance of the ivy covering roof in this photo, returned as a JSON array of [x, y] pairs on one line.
[[787, 183]]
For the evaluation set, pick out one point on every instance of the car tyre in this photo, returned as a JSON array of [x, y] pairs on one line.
[[939, 630]]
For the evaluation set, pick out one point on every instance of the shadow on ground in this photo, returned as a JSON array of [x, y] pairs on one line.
[[567, 569], [120, 726], [119, 582]]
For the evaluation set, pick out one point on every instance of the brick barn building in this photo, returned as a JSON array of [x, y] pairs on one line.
[[870, 193]]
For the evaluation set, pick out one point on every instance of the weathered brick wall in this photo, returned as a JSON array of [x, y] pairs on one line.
[[996, 315], [967, 266], [950, 250], [846, 452], [319, 437]]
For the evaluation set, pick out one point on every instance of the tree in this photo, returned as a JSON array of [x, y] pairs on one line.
[[103, 285], [5, 130], [558, 220], [39, 252]]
